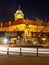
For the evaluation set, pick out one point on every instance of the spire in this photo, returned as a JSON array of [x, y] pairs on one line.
[[19, 7]]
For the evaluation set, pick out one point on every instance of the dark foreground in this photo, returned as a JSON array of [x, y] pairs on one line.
[[23, 60]]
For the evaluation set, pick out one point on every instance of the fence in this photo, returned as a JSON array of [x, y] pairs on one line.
[[24, 51]]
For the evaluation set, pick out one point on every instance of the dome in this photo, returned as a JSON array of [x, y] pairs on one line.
[[19, 14]]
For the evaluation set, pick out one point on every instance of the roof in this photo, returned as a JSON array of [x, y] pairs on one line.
[[24, 21]]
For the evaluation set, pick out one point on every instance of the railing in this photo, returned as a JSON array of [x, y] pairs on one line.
[[24, 51]]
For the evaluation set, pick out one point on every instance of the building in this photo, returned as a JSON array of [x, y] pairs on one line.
[[21, 30]]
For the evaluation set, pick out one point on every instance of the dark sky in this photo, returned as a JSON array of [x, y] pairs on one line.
[[31, 8]]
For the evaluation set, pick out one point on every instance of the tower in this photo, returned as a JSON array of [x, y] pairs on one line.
[[19, 14], [27, 30]]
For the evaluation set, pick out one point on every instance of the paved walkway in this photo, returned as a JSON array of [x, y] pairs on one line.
[[23, 60]]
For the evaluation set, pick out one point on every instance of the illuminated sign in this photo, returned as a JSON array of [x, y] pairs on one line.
[[10, 34]]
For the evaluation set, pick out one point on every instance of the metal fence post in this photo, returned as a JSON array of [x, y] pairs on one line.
[[7, 51], [37, 52], [20, 50]]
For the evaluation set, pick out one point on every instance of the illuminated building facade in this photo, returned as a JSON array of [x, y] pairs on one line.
[[23, 30]]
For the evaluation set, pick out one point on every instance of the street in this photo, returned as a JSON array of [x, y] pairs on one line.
[[28, 56], [23, 60]]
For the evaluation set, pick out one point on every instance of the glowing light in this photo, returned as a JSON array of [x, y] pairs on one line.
[[44, 39], [18, 37], [5, 40]]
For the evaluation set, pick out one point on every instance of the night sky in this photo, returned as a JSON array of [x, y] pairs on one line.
[[31, 8]]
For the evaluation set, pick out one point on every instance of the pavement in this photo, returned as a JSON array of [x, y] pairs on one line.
[[23, 60]]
